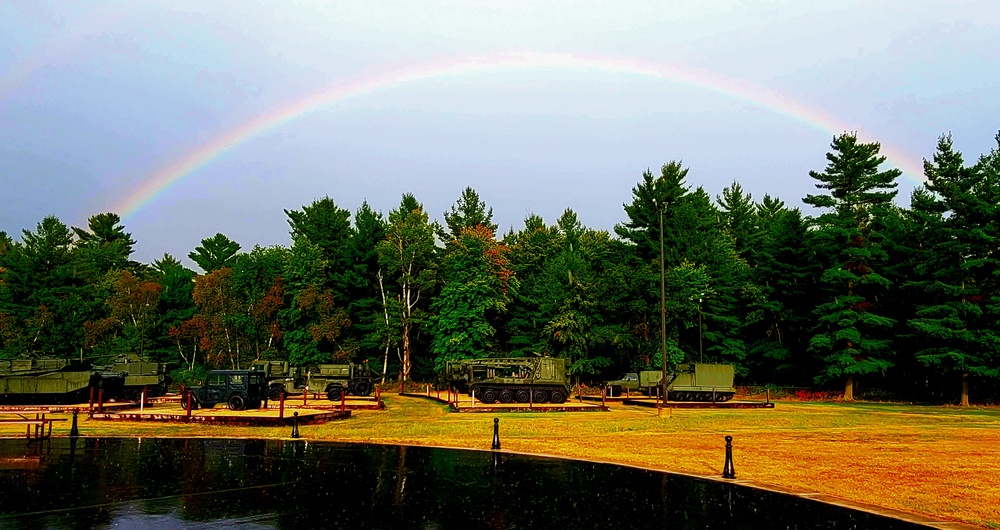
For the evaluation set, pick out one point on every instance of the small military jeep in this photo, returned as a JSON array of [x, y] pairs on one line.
[[240, 389]]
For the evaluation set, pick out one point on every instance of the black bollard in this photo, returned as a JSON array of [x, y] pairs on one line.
[[496, 433], [295, 424], [727, 470], [74, 431]]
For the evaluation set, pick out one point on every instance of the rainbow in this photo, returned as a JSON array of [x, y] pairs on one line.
[[161, 180]]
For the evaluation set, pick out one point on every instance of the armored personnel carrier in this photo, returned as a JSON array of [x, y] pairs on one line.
[[702, 382], [510, 380], [44, 381]]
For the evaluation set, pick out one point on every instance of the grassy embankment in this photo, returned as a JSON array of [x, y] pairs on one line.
[[936, 461]]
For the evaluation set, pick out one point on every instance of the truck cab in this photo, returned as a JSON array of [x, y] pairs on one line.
[[240, 389]]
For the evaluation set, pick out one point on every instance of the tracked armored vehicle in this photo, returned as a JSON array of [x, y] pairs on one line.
[[510, 380], [44, 381], [140, 373], [702, 382]]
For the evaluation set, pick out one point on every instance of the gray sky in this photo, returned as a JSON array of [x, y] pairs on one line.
[[565, 106]]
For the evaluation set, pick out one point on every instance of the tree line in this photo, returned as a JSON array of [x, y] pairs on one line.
[[892, 301]]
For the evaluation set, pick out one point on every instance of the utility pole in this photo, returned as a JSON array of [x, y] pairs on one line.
[[663, 309], [701, 351]]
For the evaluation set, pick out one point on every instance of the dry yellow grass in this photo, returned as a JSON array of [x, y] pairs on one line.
[[939, 462]]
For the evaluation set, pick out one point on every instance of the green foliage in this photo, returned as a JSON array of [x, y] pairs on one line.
[[468, 212], [477, 283], [409, 256], [906, 298], [850, 335], [215, 253]]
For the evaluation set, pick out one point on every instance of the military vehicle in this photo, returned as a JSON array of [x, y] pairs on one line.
[[686, 382], [140, 373], [645, 382], [702, 382], [240, 389], [40, 381], [334, 380], [509, 380]]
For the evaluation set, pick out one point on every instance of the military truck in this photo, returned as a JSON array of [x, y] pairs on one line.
[[509, 380], [334, 380], [41, 381], [240, 389], [140, 373], [686, 382], [646, 382]]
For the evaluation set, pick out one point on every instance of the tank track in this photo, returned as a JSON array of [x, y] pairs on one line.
[[493, 393], [697, 395]]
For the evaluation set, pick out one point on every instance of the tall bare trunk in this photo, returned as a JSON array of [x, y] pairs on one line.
[[965, 390], [385, 311], [849, 389]]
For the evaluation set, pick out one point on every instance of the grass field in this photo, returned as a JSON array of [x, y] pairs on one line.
[[939, 462]]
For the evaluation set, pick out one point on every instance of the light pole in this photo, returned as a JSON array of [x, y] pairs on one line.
[[701, 351], [663, 308]]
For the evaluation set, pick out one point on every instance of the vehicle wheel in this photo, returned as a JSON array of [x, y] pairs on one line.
[[194, 403], [539, 396], [557, 396], [616, 391], [334, 393], [489, 396], [506, 396], [274, 393], [522, 396], [237, 402], [362, 388]]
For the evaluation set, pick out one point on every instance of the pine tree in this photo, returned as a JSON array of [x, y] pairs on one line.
[[850, 335], [215, 253]]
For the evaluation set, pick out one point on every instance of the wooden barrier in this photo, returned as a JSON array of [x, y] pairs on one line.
[[39, 422]]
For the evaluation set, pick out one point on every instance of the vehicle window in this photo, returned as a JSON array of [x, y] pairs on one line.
[[236, 379], [254, 380], [216, 380]]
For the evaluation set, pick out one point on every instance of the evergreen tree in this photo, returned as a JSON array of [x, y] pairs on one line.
[[531, 250], [104, 246], [956, 215], [468, 212], [366, 301], [43, 291], [215, 253], [851, 333], [176, 305], [785, 272]]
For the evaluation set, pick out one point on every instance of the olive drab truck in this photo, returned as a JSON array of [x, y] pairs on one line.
[[39, 381], [510, 380], [645, 382], [334, 380], [686, 382]]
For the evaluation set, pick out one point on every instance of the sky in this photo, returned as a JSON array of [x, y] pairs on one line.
[[189, 118]]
